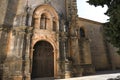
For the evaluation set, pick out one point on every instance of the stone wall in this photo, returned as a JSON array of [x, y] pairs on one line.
[[20, 30], [94, 34], [14, 53], [104, 55], [15, 50], [15, 12], [114, 57], [25, 10], [3, 8]]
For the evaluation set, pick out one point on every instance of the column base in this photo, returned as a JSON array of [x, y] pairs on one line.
[[27, 78], [67, 74]]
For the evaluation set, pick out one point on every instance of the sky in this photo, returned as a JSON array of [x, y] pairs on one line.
[[91, 12]]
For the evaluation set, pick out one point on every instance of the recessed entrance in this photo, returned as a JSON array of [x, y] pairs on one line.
[[43, 60]]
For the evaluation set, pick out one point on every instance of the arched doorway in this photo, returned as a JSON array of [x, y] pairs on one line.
[[43, 60]]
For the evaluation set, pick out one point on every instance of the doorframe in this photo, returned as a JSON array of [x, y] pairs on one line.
[[55, 51]]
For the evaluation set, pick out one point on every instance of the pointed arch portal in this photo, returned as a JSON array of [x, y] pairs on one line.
[[43, 60]]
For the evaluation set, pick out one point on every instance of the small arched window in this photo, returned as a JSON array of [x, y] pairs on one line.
[[82, 32], [43, 21]]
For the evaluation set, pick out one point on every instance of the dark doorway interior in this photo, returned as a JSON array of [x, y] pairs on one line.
[[43, 60]]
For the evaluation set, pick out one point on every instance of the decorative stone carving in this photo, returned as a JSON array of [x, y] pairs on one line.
[[47, 1]]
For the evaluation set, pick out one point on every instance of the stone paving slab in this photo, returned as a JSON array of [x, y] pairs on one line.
[[95, 77]]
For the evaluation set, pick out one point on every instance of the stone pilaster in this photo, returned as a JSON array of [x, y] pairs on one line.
[[4, 39], [26, 63], [62, 56], [65, 64], [73, 38]]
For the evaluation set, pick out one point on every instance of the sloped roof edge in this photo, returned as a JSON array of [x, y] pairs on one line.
[[91, 21]]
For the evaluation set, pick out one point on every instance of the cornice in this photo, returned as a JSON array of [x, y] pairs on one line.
[[90, 21]]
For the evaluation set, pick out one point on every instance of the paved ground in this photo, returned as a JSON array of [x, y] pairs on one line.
[[93, 77], [97, 77]]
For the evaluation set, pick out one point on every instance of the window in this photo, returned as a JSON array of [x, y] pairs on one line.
[[43, 21], [82, 32]]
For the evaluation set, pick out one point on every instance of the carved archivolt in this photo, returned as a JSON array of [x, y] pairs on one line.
[[46, 24], [45, 17]]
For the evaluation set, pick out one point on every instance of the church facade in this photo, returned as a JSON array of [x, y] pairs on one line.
[[46, 38]]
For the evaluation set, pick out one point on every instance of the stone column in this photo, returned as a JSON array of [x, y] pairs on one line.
[[64, 62], [26, 66], [5, 70], [14, 60], [61, 59]]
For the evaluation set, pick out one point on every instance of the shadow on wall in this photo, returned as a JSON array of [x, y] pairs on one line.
[[11, 12]]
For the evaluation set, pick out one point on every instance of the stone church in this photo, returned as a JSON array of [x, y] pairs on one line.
[[46, 38]]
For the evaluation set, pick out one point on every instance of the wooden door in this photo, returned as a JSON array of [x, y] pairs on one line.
[[43, 60]]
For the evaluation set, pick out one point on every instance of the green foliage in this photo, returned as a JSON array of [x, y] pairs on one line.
[[111, 28]]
